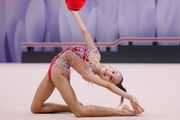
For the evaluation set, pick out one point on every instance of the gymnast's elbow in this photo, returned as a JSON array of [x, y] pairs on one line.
[[87, 76]]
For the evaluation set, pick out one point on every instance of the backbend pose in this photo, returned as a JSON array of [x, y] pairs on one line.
[[86, 61]]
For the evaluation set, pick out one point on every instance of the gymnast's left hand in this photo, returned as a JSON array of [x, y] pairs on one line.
[[136, 106]]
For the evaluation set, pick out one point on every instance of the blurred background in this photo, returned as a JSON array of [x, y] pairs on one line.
[[26, 21]]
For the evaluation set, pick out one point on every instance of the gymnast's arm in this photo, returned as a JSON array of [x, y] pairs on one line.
[[87, 37], [113, 88]]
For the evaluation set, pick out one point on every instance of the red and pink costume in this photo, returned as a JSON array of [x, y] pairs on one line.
[[62, 61]]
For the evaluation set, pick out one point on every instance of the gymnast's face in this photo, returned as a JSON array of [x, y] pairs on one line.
[[109, 74]]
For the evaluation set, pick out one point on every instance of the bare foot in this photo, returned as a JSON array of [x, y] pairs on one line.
[[128, 111]]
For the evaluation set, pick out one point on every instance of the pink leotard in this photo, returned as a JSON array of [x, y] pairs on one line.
[[62, 61]]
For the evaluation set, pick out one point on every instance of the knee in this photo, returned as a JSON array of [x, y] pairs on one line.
[[80, 112], [34, 109]]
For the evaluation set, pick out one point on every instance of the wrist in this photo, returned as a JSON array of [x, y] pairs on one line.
[[75, 13], [129, 97]]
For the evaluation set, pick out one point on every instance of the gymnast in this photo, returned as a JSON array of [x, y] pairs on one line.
[[85, 59]]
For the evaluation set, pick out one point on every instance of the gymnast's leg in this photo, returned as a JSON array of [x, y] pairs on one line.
[[66, 91], [43, 92]]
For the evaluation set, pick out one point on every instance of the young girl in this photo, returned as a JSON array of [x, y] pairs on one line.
[[86, 61]]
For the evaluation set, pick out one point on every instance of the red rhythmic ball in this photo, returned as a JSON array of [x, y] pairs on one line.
[[75, 4]]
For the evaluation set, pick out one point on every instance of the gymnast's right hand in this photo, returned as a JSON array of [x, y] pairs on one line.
[[73, 11], [136, 106]]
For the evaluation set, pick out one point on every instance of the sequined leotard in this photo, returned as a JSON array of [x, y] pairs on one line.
[[62, 61]]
